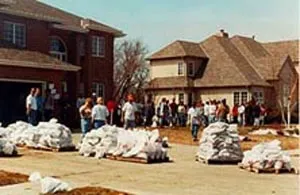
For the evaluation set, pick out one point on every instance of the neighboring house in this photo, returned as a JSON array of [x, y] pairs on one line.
[[237, 69], [44, 46]]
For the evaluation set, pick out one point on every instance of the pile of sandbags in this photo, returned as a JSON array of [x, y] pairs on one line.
[[110, 140], [220, 142], [264, 132], [46, 134], [267, 155], [7, 148]]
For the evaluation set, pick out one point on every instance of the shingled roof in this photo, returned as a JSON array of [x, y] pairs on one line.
[[40, 11], [32, 59], [226, 66], [179, 49], [265, 64], [282, 48], [170, 82]]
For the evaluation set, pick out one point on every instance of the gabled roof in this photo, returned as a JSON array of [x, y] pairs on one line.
[[32, 59], [281, 48], [265, 64], [40, 11], [226, 66], [170, 82], [179, 49]]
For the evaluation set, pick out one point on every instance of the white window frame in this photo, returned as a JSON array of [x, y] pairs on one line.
[[97, 90], [240, 97], [59, 55], [180, 69], [96, 52], [14, 32], [191, 64]]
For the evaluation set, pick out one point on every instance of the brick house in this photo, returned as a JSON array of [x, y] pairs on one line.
[[44, 46], [235, 68]]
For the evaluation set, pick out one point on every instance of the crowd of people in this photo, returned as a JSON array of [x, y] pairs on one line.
[[39, 108], [94, 113]]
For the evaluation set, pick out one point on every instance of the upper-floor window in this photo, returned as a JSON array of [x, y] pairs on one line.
[[15, 33], [180, 68], [58, 49], [98, 46], [98, 88], [191, 69]]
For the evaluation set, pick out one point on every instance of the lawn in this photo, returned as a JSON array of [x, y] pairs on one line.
[[183, 136]]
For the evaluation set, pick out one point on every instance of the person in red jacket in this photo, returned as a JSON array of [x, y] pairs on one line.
[[235, 113]]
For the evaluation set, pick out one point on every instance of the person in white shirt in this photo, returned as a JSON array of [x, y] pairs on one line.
[[31, 107], [241, 116], [99, 114], [212, 112], [128, 113], [206, 112], [194, 118]]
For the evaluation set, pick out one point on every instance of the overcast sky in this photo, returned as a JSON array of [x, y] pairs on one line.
[[159, 22]]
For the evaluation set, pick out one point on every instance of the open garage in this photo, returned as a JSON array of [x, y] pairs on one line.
[[13, 96]]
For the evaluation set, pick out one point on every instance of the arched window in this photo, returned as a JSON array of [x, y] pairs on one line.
[[58, 49]]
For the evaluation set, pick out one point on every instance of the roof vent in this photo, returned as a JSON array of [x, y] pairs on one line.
[[223, 33], [84, 23]]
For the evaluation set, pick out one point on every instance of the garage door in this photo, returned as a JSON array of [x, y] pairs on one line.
[[12, 100]]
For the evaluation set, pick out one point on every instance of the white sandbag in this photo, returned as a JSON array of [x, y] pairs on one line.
[[220, 141], [35, 177], [53, 185], [267, 155], [7, 148], [120, 142]]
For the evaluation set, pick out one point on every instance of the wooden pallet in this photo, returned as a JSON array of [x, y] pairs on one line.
[[218, 162], [49, 149], [269, 170], [136, 160]]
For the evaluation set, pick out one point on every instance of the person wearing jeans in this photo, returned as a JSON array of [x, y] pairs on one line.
[[128, 115], [194, 116], [99, 113], [31, 107], [85, 112]]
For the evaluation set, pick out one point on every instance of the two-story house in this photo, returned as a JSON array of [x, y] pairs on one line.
[[221, 67], [43, 46]]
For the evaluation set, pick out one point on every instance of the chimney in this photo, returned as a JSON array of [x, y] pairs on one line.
[[223, 33], [253, 37], [84, 23]]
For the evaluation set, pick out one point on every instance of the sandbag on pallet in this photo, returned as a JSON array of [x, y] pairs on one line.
[[220, 143], [266, 156], [45, 135], [113, 141]]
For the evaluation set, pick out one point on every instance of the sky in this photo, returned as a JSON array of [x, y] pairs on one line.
[[160, 22]]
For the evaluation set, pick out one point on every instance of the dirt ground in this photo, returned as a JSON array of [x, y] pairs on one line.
[[183, 136], [92, 191], [183, 176], [10, 178]]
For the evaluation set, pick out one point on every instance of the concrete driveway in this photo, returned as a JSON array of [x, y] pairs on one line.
[[184, 176]]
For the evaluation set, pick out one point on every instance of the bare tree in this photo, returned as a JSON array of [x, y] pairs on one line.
[[131, 69]]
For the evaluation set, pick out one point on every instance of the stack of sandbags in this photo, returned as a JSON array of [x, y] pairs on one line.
[[46, 134], [267, 155], [220, 142], [7, 148], [54, 135], [110, 140]]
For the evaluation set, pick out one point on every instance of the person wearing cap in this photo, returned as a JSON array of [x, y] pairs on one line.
[[128, 113], [99, 113]]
